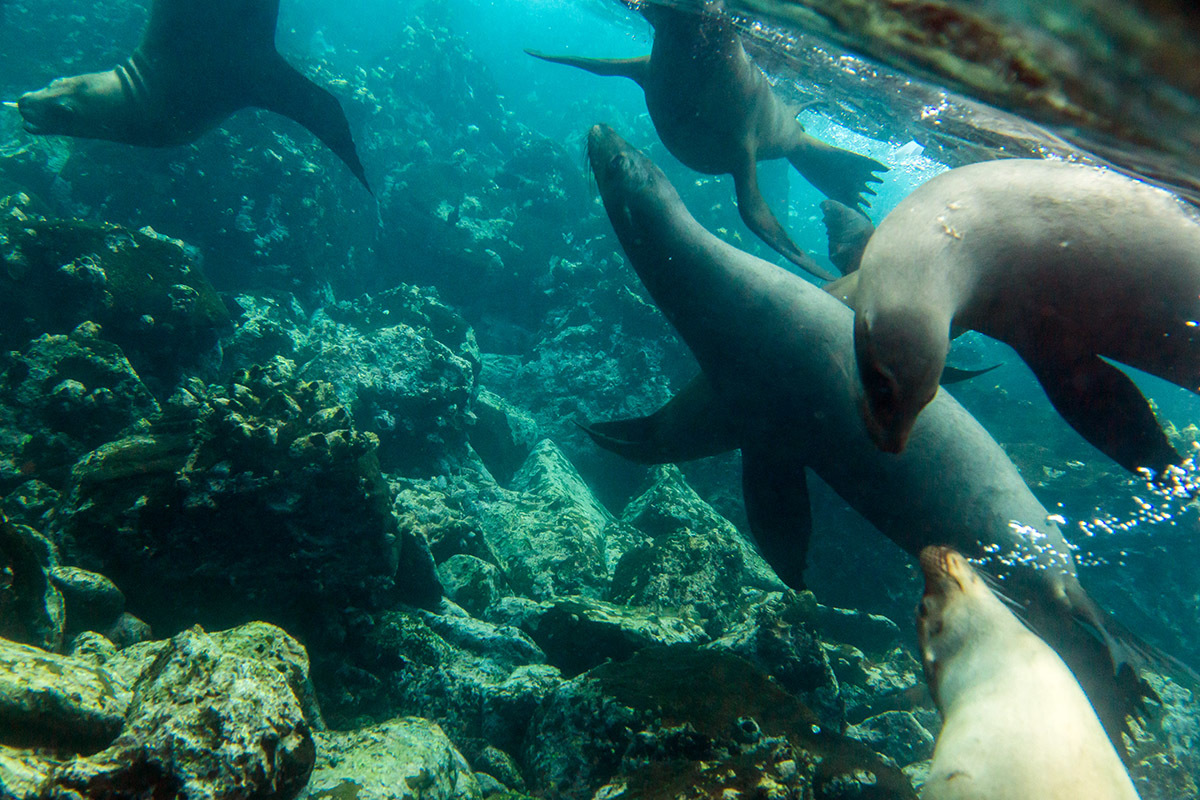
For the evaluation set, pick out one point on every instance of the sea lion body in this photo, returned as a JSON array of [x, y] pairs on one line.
[[716, 112], [1016, 724], [1066, 263], [778, 383], [197, 63]]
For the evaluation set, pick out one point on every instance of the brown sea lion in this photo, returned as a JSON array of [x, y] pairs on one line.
[[1068, 264], [197, 63], [777, 383], [715, 111], [1015, 723]]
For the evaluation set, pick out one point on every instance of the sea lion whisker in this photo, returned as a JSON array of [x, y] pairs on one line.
[[9, 103]]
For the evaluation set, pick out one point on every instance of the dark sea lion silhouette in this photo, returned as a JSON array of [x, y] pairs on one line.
[[778, 383], [1068, 264], [198, 62], [715, 111]]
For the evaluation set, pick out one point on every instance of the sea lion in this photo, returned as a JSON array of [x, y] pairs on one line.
[[1068, 264], [197, 63], [777, 382], [1016, 724], [715, 111], [849, 230]]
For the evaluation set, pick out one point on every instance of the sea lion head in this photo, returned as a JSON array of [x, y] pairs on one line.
[[948, 612], [635, 191], [75, 106], [900, 358]]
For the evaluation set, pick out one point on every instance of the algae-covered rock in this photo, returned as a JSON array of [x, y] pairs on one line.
[[695, 562], [61, 396], [683, 719], [778, 634], [93, 602], [503, 435], [403, 759], [146, 291], [58, 703], [554, 538], [578, 633], [257, 498], [471, 582], [481, 681], [31, 606], [896, 734], [403, 363], [203, 721]]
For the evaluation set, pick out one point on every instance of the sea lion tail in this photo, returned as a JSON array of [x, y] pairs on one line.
[[1120, 692], [849, 230], [285, 91]]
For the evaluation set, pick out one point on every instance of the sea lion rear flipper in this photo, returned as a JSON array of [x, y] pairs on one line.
[[775, 491], [285, 91], [693, 424], [952, 375], [849, 230], [839, 174], [759, 218], [632, 68], [1106, 408]]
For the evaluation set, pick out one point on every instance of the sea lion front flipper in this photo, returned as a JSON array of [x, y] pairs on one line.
[[775, 491], [759, 218], [1105, 406], [952, 375], [838, 174], [693, 424], [285, 91], [632, 68]]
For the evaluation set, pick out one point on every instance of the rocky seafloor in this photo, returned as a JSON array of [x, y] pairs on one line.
[[279, 519]]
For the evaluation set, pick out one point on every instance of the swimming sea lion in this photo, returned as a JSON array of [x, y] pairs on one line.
[[1068, 264], [1015, 723], [715, 111], [778, 383], [197, 63]]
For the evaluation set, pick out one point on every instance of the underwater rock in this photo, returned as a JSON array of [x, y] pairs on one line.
[[31, 606], [503, 435], [258, 498], [403, 759], [471, 582], [695, 562], [554, 538], [480, 681], [58, 703], [405, 365], [146, 291], [578, 633], [676, 719], [205, 721], [402, 363], [897, 735], [93, 602], [31, 503], [778, 634], [60, 397]]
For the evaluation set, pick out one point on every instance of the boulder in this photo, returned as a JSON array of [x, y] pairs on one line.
[[402, 759], [31, 606], [682, 719]]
